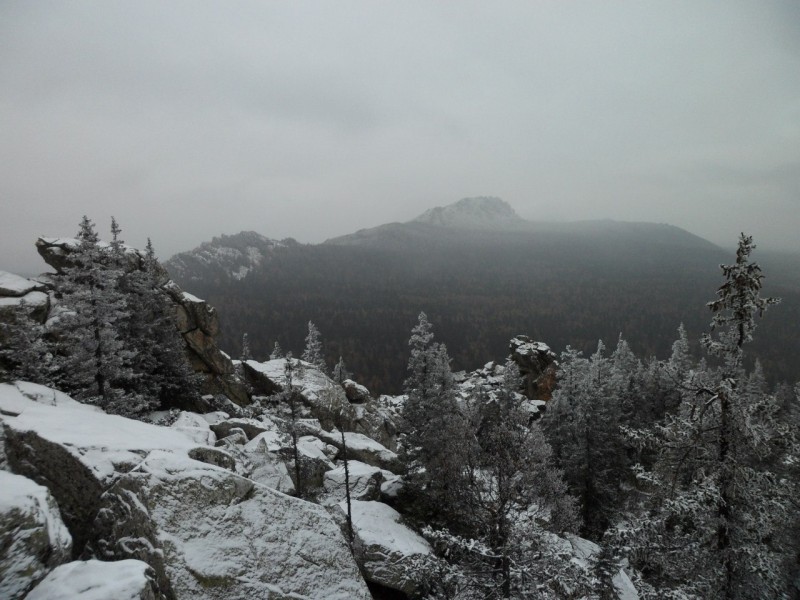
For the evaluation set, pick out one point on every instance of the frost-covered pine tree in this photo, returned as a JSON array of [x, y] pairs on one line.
[[340, 372], [92, 359], [432, 428], [313, 349], [582, 424], [245, 354], [24, 353], [277, 351], [719, 500], [163, 374]]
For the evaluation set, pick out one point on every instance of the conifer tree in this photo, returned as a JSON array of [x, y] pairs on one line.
[[245, 354], [24, 353], [90, 348], [716, 486], [340, 372], [582, 423], [433, 425], [164, 376], [277, 352], [313, 349]]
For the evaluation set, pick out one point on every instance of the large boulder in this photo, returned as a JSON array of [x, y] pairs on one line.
[[15, 286], [96, 580], [365, 481], [195, 427], [267, 466], [212, 534], [16, 292], [251, 427], [33, 538], [314, 461], [129, 489], [389, 553], [359, 447], [75, 450], [355, 392]]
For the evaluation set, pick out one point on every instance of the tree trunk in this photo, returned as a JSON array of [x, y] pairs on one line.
[[350, 535], [725, 499]]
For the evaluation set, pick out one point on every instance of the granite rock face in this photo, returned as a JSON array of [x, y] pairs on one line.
[[537, 366], [33, 538], [388, 552], [134, 490], [212, 534]]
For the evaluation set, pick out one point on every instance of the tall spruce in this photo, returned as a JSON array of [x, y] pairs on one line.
[[91, 362], [433, 426], [313, 350], [718, 495]]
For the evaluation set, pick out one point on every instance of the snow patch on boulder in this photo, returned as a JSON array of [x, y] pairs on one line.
[[96, 580], [387, 551]]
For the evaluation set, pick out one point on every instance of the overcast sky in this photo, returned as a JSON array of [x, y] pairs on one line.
[[185, 120]]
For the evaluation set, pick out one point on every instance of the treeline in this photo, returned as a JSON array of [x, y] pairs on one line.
[[480, 293]]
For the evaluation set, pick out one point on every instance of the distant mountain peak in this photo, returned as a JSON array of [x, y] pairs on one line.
[[482, 212]]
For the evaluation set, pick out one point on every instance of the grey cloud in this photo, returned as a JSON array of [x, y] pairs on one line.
[[314, 119]]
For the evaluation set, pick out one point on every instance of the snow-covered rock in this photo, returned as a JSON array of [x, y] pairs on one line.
[[76, 451], [96, 580], [195, 427], [35, 301], [33, 538], [360, 447], [314, 461], [235, 437], [365, 481], [355, 392], [267, 467], [537, 366], [14, 285], [251, 427], [388, 552], [623, 586], [211, 534]]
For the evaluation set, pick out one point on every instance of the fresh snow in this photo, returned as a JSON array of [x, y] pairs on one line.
[[98, 440], [32, 299], [14, 285], [18, 396], [623, 586], [192, 298], [378, 524], [94, 580]]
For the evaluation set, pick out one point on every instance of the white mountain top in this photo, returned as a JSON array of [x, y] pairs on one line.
[[483, 212]]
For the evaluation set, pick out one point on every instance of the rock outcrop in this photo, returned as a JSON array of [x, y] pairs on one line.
[[319, 397], [221, 535], [196, 320], [33, 538], [537, 366], [133, 490]]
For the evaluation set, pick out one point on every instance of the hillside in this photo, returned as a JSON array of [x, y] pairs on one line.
[[565, 283]]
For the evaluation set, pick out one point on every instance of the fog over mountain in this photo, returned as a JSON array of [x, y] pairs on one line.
[[483, 274], [313, 120]]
